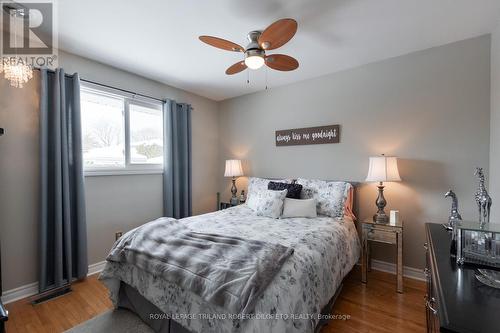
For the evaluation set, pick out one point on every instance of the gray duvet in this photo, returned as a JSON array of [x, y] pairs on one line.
[[227, 271], [325, 250]]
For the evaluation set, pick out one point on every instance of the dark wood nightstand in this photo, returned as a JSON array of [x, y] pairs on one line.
[[224, 205], [4, 316], [385, 233]]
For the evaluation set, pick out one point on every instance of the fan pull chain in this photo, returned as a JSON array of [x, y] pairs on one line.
[[248, 76], [266, 77]]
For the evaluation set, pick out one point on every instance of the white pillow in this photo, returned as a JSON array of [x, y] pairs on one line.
[[267, 203], [299, 208]]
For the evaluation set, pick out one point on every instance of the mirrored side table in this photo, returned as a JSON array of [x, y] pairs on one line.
[[386, 233]]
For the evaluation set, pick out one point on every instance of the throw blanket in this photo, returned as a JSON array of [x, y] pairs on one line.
[[230, 272]]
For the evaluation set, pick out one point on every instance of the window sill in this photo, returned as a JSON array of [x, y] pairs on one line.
[[96, 173]]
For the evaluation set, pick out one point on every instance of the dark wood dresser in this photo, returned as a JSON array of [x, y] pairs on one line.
[[4, 314], [455, 300]]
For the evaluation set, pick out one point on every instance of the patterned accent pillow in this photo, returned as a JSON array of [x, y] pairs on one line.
[[267, 203], [293, 190], [256, 184], [330, 196]]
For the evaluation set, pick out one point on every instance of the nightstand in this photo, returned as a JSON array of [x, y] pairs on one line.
[[386, 233], [4, 316], [224, 205]]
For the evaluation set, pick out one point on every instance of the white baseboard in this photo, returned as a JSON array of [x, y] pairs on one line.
[[31, 289], [409, 272], [18, 293], [96, 268]]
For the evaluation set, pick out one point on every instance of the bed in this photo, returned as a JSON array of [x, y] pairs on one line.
[[325, 249]]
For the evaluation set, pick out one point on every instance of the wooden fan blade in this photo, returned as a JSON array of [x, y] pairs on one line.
[[278, 34], [281, 62], [236, 68], [221, 43]]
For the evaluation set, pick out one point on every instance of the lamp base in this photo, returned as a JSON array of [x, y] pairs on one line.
[[234, 199], [381, 216]]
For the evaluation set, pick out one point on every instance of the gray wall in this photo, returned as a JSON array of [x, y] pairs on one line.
[[19, 183], [495, 125], [113, 202], [430, 108]]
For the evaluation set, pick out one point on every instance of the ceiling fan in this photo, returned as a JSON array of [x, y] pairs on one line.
[[274, 36]]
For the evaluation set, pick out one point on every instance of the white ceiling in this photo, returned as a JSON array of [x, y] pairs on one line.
[[159, 39]]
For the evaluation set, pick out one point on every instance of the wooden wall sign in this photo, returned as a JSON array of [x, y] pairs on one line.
[[308, 136]]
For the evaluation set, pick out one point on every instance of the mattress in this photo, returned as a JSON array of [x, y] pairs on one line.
[[325, 250]]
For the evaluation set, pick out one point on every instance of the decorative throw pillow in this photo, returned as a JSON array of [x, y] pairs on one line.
[[293, 190], [267, 203], [299, 208], [330, 196], [256, 184]]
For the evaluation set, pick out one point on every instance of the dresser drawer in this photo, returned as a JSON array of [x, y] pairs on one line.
[[430, 301], [379, 235]]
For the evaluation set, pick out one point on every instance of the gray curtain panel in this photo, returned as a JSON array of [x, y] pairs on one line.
[[63, 231], [177, 160]]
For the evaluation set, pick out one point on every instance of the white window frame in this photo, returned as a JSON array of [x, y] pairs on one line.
[[129, 168]]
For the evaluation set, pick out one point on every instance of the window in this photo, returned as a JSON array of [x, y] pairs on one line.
[[121, 134], [146, 135]]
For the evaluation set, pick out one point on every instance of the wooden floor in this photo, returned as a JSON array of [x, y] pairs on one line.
[[375, 307], [88, 299]]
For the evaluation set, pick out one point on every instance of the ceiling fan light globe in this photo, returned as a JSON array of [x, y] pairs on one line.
[[254, 62]]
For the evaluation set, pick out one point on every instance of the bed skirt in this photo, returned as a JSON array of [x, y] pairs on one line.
[[129, 298]]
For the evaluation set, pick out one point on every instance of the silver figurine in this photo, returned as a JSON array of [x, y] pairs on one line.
[[454, 214], [483, 200]]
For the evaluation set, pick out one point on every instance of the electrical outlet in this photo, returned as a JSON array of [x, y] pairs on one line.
[[118, 235]]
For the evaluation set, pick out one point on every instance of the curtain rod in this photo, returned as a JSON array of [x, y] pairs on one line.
[[108, 86], [123, 90]]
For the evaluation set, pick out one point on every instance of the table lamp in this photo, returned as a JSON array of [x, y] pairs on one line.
[[233, 169], [382, 169]]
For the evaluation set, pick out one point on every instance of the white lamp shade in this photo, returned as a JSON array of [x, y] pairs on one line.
[[233, 168], [383, 169]]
